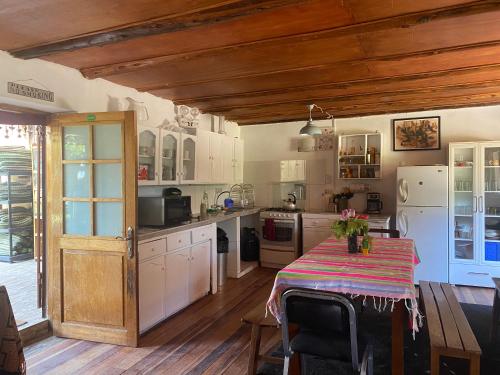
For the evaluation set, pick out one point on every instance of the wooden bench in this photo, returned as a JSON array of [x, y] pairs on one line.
[[450, 334], [256, 317]]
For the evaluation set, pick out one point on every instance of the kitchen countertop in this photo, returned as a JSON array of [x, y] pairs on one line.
[[147, 233]]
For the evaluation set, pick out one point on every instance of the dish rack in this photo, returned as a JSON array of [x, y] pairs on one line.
[[248, 195]]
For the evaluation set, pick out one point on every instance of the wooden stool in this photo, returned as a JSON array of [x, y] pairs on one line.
[[256, 317], [496, 311]]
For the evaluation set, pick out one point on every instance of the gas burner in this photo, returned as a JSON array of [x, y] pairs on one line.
[[282, 209]]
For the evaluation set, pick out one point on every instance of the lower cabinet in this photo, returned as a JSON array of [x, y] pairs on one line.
[[152, 287], [314, 236], [170, 282]]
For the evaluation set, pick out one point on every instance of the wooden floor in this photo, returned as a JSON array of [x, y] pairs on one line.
[[206, 338]]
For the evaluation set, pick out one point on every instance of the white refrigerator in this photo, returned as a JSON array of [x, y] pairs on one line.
[[422, 215]]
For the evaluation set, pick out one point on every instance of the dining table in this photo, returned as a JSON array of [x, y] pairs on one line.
[[383, 277]]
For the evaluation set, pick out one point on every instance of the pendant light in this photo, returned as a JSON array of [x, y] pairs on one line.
[[310, 128]]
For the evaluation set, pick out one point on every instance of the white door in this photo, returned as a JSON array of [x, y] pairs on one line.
[[425, 186], [199, 271], [428, 227], [227, 159], [177, 280], [203, 158], [238, 161], [300, 170], [151, 292], [216, 157]]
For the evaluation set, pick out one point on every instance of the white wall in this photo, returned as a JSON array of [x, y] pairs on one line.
[[276, 142], [74, 93], [266, 145]]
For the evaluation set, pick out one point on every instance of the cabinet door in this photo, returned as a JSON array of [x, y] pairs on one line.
[[285, 170], [238, 161], [147, 147], [169, 156], [203, 158], [228, 159], [216, 157], [177, 280], [314, 236], [187, 159], [199, 271], [151, 292]]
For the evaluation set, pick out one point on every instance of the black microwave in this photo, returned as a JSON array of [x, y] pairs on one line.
[[164, 211]]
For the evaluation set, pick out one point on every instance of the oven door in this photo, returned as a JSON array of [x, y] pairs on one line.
[[278, 234], [177, 210]]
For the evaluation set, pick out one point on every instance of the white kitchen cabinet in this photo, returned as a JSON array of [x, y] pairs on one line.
[[312, 237], [292, 170], [216, 160], [151, 291], [474, 213], [203, 158], [359, 156], [169, 151], [147, 151], [199, 271], [228, 159], [187, 159], [177, 280]]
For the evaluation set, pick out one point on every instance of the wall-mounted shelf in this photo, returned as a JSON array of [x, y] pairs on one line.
[[359, 156]]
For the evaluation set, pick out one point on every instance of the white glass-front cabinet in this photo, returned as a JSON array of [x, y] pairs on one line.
[[148, 146], [474, 213], [165, 157]]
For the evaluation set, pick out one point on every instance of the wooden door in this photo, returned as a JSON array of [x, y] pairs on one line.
[[91, 207], [199, 271], [177, 280]]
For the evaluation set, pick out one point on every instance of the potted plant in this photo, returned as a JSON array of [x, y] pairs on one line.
[[351, 226]]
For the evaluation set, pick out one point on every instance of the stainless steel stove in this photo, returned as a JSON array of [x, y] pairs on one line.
[[280, 237]]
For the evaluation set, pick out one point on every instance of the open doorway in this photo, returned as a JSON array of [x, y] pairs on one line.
[[22, 242]]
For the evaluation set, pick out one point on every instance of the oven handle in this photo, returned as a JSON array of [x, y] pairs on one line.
[[280, 221]]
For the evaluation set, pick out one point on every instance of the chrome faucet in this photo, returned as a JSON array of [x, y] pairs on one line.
[[217, 196]]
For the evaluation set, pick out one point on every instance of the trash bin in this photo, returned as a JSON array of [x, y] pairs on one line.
[[222, 250]]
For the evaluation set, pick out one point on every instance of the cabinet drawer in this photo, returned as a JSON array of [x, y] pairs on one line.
[[202, 234], [317, 223], [150, 249], [178, 240], [473, 274]]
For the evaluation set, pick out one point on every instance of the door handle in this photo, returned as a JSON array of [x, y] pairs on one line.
[[480, 204], [474, 204], [130, 242], [403, 190]]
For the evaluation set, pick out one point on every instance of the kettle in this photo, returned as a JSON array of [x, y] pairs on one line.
[[290, 204]]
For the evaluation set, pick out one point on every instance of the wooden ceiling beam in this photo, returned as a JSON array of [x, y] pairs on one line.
[[221, 11], [337, 65], [394, 22], [359, 108], [341, 85], [378, 91]]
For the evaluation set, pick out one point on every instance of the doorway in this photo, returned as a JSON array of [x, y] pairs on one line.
[[22, 229]]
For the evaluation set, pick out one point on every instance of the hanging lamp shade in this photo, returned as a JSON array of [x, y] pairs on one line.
[[310, 128]]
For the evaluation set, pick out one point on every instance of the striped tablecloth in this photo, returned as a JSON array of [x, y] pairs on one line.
[[383, 277]]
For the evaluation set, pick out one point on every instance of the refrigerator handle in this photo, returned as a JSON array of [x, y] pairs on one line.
[[402, 223], [406, 224], [480, 204], [474, 204], [403, 190]]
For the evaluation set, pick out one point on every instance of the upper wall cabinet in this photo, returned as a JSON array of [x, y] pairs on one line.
[[166, 158], [360, 156], [292, 170]]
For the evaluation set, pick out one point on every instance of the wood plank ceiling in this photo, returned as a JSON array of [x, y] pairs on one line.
[[263, 61]]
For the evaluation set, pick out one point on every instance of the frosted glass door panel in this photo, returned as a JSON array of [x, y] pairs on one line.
[[107, 142], [77, 218], [108, 180], [464, 202], [491, 206], [76, 180], [188, 159], [108, 218], [76, 142]]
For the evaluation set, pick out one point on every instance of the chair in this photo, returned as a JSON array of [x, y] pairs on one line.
[[393, 233], [326, 327], [496, 311]]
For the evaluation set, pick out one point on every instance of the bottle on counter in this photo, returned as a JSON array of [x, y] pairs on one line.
[[204, 206]]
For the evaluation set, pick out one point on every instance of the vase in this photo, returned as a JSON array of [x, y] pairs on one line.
[[352, 243]]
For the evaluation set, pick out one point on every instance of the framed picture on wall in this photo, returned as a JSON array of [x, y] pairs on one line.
[[416, 134]]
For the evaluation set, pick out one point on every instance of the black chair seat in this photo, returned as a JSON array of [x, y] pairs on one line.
[[331, 345]]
